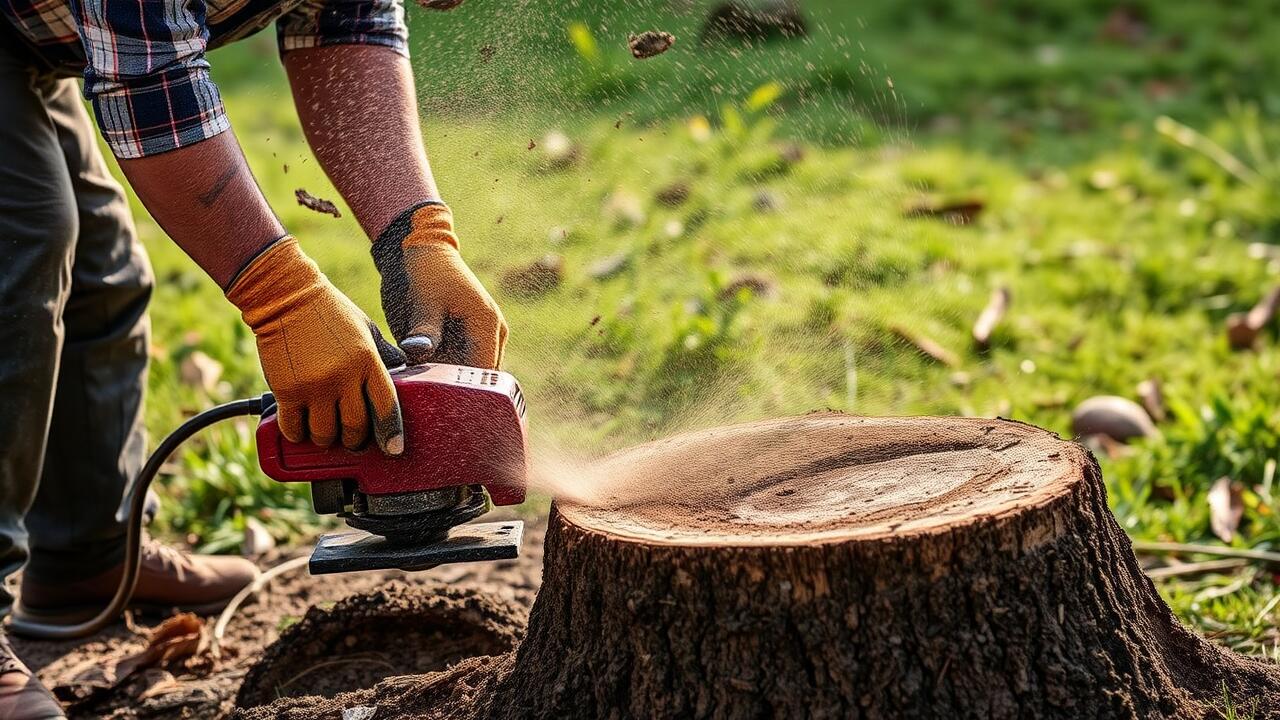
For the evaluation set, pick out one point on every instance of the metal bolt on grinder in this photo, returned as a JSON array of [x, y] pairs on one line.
[[465, 452]]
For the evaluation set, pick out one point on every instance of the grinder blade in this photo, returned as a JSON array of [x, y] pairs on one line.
[[356, 550]]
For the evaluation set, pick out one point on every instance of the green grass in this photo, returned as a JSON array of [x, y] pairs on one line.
[[1124, 249]]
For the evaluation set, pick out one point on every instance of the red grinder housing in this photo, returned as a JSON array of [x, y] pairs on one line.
[[464, 427]]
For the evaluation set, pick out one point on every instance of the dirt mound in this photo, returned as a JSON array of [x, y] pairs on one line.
[[364, 639]]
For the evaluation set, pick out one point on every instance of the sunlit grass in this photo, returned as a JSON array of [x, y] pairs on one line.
[[1123, 264]]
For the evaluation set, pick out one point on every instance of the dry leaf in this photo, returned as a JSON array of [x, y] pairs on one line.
[[927, 346], [178, 638], [1226, 507], [961, 212], [1243, 328], [1152, 397]]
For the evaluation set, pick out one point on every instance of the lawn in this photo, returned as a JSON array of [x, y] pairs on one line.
[[1092, 140]]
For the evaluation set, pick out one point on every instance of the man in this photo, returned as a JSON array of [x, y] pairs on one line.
[[74, 283]]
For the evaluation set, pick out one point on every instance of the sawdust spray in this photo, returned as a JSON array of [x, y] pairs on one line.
[[788, 361]]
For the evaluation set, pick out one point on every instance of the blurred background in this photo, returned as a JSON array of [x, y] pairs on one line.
[[806, 205]]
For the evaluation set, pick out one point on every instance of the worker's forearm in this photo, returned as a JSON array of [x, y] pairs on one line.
[[360, 116], [206, 199]]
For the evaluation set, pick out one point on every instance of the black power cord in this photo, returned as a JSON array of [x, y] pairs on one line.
[[131, 512]]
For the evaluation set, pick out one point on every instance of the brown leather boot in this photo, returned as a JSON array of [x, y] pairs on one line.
[[168, 579], [22, 697]]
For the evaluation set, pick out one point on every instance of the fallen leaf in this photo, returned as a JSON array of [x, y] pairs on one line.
[[674, 194], [1226, 507], [534, 279], [311, 202], [755, 284], [178, 639], [608, 266], [926, 345], [199, 370], [991, 316], [958, 212], [1152, 398]]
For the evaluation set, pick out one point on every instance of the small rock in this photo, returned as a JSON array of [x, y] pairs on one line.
[[607, 267], [650, 43], [558, 151], [535, 279], [1120, 419], [200, 370], [257, 539], [674, 194], [360, 712]]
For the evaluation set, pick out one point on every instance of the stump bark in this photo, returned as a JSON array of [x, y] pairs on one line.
[[837, 567]]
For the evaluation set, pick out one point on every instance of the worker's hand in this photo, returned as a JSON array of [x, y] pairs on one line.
[[324, 360], [436, 307]]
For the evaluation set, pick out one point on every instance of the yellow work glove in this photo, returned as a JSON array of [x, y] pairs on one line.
[[320, 353], [436, 307]]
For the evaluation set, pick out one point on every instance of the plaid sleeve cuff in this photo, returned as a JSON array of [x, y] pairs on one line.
[[159, 113], [317, 23]]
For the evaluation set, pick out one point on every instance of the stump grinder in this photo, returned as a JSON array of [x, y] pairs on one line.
[[465, 451]]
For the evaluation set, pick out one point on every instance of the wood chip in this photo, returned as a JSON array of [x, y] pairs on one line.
[[927, 346], [311, 202], [650, 43], [991, 316]]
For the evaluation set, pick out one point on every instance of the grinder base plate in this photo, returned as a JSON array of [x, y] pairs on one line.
[[356, 550]]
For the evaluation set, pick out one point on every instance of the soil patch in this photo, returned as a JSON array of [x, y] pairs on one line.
[[209, 693], [364, 639]]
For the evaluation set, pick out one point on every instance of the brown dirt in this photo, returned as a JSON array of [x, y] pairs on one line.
[[208, 693]]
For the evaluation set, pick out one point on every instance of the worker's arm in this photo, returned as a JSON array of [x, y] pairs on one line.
[[162, 117], [358, 109]]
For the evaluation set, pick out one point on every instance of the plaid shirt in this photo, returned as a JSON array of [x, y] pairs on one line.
[[144, 60]]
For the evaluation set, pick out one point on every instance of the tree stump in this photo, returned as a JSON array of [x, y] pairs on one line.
[[830, 566]]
